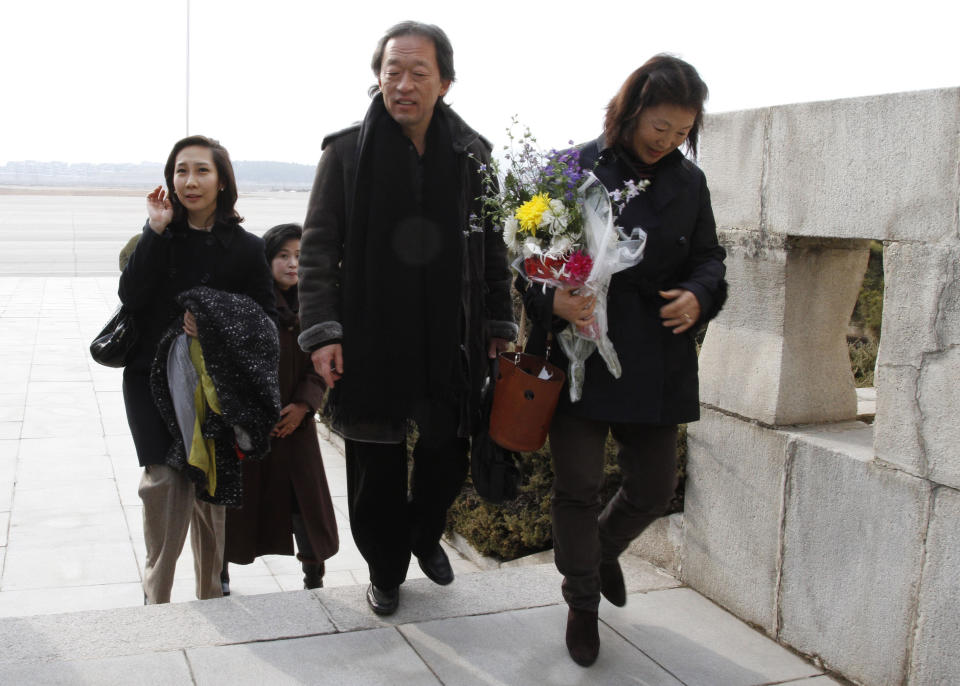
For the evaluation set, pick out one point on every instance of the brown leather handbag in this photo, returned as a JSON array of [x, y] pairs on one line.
[[524, 399]]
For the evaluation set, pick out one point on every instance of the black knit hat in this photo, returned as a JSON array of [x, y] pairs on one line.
[[274, 238]]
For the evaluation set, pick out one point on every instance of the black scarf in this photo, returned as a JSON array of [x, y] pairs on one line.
[[402, 274]]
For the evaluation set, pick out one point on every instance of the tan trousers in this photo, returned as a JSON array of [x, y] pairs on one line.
[[170, 507]]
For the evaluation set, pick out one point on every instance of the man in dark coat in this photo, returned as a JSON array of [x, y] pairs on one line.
[[404, 292]]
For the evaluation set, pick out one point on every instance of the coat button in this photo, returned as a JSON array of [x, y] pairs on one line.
[[209, 240], [682, 241], [205, 278]]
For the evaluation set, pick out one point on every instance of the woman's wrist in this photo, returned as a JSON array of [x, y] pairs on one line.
[[157, 227]]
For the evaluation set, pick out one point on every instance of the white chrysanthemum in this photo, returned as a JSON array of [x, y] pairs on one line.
[[530, 247], [555, 218], [510, 228], [560, 246]]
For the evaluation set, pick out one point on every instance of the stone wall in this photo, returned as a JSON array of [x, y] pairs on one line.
[[838, 538]]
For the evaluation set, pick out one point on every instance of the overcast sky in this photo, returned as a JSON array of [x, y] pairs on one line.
[[104, 80]]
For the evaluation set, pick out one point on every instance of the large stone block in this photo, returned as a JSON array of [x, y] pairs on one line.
[[874, 167], [897, 425], [852, 554], [917, 361], [921, 301], [732, 157], [939, 397], [661, 543], [777, 353], [741, 355], [732, 512], [936, 652]]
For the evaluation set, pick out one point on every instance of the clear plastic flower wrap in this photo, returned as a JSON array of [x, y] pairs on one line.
[[559, 221], [611, 251]]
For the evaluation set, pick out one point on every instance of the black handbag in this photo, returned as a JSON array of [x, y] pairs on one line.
[[112, 346], [493, 469]]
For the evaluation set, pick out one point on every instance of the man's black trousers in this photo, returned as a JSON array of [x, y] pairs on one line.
[[388, 523]]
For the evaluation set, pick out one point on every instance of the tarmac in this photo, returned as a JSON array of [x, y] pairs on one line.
[[71, 557]]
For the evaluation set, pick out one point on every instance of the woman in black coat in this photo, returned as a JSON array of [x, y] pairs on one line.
[[654, 310], [192, 238]]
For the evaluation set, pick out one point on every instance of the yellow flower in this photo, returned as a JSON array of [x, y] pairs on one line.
[[530, 212]]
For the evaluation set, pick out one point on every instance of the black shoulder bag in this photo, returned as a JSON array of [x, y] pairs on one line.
[[112, 346]]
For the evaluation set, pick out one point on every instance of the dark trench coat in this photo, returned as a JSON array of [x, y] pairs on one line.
[[294, 468], [659, 384]]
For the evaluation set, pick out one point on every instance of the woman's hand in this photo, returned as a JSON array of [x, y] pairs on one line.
[[159, 209], [576, 309], [682, 311], [290, 418], [189, 324]]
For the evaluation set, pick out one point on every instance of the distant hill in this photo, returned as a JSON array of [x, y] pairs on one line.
[[251, 175]]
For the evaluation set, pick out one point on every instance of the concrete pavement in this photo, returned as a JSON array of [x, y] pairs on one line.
[[71, 554]]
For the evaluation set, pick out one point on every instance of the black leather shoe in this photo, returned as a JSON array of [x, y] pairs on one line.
[[611, 583], [583, 636], [383, 601], [436, 566]]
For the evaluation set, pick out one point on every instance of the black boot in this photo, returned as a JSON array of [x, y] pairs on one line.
[[312, 573], [313, 569], [225, 579]]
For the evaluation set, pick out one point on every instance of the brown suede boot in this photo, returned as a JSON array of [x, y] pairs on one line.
[[583, 636], [611, 583]]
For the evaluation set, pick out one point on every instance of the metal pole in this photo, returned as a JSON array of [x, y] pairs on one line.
[[188, 71]]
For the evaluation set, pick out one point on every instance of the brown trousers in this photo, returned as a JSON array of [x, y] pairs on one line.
[[582, 534], [170, 507]]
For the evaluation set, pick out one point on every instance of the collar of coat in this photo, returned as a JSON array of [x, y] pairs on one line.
[[462, 134], [224, 233], [673, 172]]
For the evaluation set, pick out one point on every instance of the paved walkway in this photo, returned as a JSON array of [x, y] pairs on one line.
[[70, 519], [71, 540]]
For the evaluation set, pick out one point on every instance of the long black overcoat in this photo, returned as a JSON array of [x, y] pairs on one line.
[[484, 288], [659, 383], [162, 266]]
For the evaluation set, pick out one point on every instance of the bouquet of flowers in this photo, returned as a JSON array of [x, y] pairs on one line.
[[558, 220]]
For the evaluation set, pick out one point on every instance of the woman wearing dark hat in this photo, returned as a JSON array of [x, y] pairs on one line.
[[653, 309], [192, 238], [287, 492]]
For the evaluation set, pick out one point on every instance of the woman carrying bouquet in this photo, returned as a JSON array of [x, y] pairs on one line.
[[192, 238], [654, 309]]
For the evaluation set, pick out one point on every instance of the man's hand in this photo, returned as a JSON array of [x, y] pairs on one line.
[[497, 346], [290, 418], [328, 363]]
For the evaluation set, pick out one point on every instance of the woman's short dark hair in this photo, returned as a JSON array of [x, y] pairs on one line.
[[276, 237], [415, 28], [227, 198], [663, 79]]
